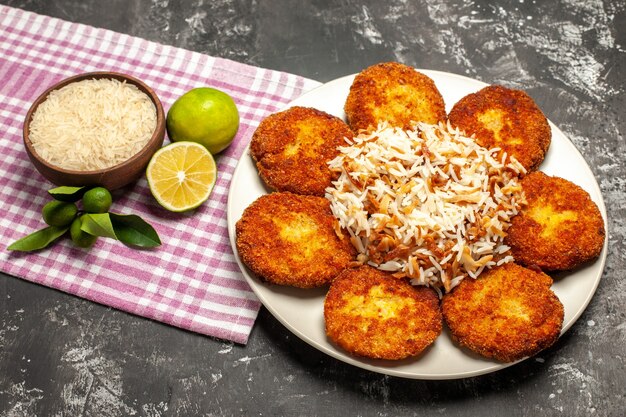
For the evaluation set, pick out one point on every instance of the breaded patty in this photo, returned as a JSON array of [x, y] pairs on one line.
[[505, 118], [560, 228], [292, 149], [395, 93], [290, 239], [508, 313], [370, 313]]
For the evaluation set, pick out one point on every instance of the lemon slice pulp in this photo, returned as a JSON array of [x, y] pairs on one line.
[[181, 175]]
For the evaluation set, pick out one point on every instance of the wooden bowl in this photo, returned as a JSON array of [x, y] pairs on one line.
[[113, 177]]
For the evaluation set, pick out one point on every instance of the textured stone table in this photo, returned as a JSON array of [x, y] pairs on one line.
[[60, 355]]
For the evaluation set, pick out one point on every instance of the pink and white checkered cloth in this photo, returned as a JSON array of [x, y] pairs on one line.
[[192, 281]]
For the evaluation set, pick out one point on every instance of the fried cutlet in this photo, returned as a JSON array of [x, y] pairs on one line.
[[292, 149], [395, 93], [559, 229], [291, 239], [372, 314], [505, 118], [508, 313]]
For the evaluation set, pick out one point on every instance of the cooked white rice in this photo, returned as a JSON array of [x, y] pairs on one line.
[[429, 204], [92, 124]]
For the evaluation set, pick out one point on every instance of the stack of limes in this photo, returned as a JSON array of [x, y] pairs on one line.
[[201, 123], [65, 213]]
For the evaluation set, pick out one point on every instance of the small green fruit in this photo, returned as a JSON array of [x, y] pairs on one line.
[[59, 213], [206, 116], [81, 238], [97, 200]]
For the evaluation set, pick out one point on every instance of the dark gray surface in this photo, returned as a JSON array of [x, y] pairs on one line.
[[60, 355]]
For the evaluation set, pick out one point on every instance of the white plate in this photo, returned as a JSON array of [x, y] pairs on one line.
[[301, 311]]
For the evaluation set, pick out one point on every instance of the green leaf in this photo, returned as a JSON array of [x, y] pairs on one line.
[[67, 194], [129, 229], [133, 230], [98, 224], [39, 239]]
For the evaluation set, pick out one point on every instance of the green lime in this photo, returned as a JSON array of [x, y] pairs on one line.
[[206, 116], [97, 200], [81, 238], [59, 213]]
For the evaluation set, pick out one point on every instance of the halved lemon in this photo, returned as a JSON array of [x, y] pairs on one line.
[[181, 175]]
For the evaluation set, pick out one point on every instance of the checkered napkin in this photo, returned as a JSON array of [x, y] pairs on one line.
[[192, 280]]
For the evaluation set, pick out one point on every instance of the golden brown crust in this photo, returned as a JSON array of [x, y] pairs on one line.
[[290, 239], [508, 313], [393, 92], [369, 313], [292, 149], [560, 228], [505, 118]]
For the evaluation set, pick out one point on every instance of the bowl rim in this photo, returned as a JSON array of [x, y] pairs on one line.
[[156, 135]]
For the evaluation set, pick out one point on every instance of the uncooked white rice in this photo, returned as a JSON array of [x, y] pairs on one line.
[[429, 204], [92, 124]]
